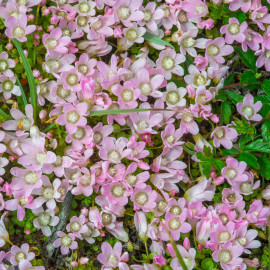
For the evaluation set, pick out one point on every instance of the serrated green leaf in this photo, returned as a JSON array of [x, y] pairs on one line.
[[226, 112], [266, 130], [248, 77], [30, 77], [228, 152], [258, 146], [266, 86], [264, 163], [234, 97], [250, 159], [243, 140], [150, 37], [248, 58]]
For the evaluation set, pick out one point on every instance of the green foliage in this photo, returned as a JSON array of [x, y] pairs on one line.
[[226, 112], [258, 146], [208, 160], [248, 58], [30, 77], [250, 159], [243, 127], [264, 163], [266, 257], [266, 130], [207, 264], [234, 97], [150, 37], [266, 86]]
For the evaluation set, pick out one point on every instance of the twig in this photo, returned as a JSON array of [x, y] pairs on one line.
[[64, 214]]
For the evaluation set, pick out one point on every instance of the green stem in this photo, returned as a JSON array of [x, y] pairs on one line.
[[146, 248], [178, 255]]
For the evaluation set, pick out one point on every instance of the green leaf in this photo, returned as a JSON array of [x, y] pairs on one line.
[[243, 127], [266, 86], [226, 112], [229, 79], [259, 146], [234, 97], [4, 116], [109, 112], [51, 126], [243, 140], [248, 77], [228, 152], [266, 130], [150, 37], [248, 58], [21, 99], [264, 166], [250, 159], [216, 12], [30, 77]]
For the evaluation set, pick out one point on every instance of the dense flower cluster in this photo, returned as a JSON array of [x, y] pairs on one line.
[[170, 169]]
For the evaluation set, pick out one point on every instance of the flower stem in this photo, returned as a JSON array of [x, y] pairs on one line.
[[178, 255]]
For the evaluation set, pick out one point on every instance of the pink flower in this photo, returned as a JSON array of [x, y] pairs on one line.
[[171, 136], [152, 15], [245, 238], [245, 5], [5, 64], [253, 40], [133, 34], [127, 11], [234, 171], [84, 183], [55, 42], [196, 78], [228, 255], [73, 116], [216, 50], [144, 199], [203, 191], [116, 192], [188, 43], [8, 87], [127, 94], [85, 8], [113, 150], [201, 64], [202, 95], [169, 62], [45, 219], [112, 257], [188, 257], [249, 109], [257, 214], [148, 84], [65, 242], [140, 221], [246, 187], [48, 193], [224, 136], [24, 265], [260, 16], [175, 225], [35, 156], [17, 28], [4, 236], [16, 254], [187, 124], [195, 8], [174, 97], [234, 31], [143, 122], [22, 122], [77, 226]]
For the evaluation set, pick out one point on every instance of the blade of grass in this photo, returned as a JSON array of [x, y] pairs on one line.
[[119, 111], [30, 77], [178, 255], [22, 99], [5, 115], [51, 126]]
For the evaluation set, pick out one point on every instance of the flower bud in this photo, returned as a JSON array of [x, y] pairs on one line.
[[141, 224], [83, 260], [266, 193], [74, 264], [42, 114], [186, 243], [218, 181]]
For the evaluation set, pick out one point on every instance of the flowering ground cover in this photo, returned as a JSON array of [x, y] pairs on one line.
[[134, 134]]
